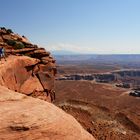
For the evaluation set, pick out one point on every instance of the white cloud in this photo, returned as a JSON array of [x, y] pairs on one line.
[[69, 47], [98, 47]]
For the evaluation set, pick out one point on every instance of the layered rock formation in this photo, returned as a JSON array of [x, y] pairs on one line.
[[76, 77], [31, 70], [123, 78], [24, 117], [32, 75], [103, 77]]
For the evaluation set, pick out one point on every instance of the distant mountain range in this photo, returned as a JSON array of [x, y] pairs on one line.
[[98, 57], [63, 52]]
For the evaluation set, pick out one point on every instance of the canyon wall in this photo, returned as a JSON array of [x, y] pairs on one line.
[[126, 78], [29, 69]]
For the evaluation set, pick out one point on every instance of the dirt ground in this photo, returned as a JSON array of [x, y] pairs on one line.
[[106, 111]]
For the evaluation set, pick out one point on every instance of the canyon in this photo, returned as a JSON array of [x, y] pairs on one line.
[[66, 97], [97, 93], [123, 78], [104, 110], [27, 92]]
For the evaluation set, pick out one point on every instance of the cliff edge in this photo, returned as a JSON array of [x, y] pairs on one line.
[[24, 117], [29, 69]]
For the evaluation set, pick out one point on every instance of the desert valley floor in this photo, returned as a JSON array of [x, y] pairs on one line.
[[106, 111]]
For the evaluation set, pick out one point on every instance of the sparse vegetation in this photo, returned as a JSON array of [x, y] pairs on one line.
[[11, 42], [2, 28], [9, 31], [29, 55], [15, 44], [19, 45]]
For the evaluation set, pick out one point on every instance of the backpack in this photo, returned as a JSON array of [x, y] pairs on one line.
[[0, 50]]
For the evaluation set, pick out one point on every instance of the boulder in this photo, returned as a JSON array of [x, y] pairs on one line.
[[30, 85], [24, 74], [24, 117], [39, 53], [46, 60], [7, 37]]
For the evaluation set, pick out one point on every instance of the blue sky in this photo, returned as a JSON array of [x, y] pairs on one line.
[[85, 26]]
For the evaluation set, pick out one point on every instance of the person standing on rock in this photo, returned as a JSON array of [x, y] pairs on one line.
[[2, 53]]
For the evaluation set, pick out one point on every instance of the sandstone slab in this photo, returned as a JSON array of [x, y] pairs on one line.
[[24, 117]]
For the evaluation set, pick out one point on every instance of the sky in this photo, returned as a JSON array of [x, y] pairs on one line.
[[82, 26]]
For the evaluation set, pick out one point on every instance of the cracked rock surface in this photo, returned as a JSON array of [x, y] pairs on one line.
[[24, 117]]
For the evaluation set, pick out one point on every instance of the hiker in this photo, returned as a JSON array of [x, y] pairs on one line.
[[2, 53]]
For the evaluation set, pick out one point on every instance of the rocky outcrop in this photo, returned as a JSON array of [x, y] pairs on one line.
[[19, 74], [123, 78], [125, 73], [104, 78], [76, 77], [29, 69], [24, 117], [135, 93]]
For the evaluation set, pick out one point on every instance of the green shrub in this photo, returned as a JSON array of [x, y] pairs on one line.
[[2, 28], [16, 45], [11, 42], [19, 45], [27, 54], [9, 31]]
